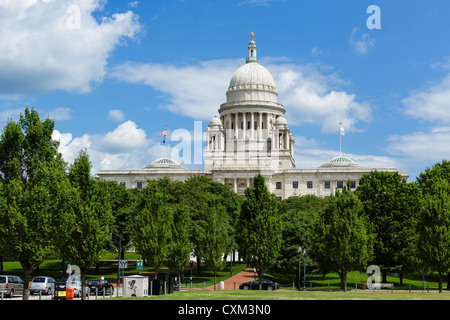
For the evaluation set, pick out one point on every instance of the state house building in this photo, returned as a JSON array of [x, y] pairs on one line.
[[251, 136]]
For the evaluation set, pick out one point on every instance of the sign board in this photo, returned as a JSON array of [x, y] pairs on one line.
[[123, 264], [140, 264]]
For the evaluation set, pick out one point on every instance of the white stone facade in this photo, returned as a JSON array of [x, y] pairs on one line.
[[251, 136]]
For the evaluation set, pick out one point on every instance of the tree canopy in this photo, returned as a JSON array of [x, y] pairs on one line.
[[260, 228]]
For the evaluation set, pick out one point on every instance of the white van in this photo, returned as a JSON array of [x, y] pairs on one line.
[[11, 285]]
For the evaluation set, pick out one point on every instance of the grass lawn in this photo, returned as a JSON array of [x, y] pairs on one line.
[[287, 295]]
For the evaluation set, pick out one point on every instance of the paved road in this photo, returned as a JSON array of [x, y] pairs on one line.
[[49, 297]]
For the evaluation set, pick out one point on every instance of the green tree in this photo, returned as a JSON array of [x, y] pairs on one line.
[[259, 228], [213, 235], [123, 209], [92, 218], [180, 246], [150, 230], [197, 191], [33, 191], [298, 215], [341, 240], [391, 205], [440, 170], [434, 229]]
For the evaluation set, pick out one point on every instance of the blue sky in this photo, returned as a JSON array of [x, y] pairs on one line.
[[113, 73]]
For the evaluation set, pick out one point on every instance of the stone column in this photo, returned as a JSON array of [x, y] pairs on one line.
[[252, 125], [236, 120], [260, 126], [244, 127]]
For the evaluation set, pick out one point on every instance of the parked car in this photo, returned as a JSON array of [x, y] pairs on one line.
[[11, 285], [101, 285], [46, 285], [254, 285], [60, 287]]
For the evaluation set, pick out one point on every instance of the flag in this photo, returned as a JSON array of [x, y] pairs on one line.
[[342, 130], [165, 135]]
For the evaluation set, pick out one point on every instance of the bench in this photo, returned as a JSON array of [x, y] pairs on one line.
[[382, 285], [376, 286]]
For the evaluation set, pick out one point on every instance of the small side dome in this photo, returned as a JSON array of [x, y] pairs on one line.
[[164, 163], [340, 161], [215, 122], [280, 122]]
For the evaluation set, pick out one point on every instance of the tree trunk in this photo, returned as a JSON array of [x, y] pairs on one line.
[[260, 280], [343, 277], [26, 280], [198, 265], [83, 283]]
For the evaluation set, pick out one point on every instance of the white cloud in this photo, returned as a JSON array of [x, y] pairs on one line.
[[134, 4], [309, 94], [421, 149], [430, 147], [196, 91], [315, 51], [313, 96], [431, 104], [57, 45], [116, 115], [265, 3], [127, 146], [309, 158], [60, 113], [362, 43]]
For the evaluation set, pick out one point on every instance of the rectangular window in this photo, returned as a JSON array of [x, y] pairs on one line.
[[353, 184], [309, 184], [139, 185], [340, 184], [278, 185], [255, 126], [295, 184], [242, 125], [123, 184], [327, 185], [248, 125]]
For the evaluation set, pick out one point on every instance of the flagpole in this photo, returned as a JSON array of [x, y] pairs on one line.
[[165, 143], [340, 138]]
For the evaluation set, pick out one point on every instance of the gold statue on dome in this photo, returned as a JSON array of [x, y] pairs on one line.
[[252, 34]]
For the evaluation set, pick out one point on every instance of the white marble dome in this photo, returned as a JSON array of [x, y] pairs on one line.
[[252, 75], [252, 82]]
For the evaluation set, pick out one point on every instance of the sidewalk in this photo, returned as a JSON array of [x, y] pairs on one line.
[[234, 282]]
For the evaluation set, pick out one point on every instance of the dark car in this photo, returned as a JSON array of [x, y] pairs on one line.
[[102, 286], [60, 288], [254, 285]]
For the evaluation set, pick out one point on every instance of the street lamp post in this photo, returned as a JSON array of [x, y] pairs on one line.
[[299, 266], [231, 265], [304, 270], [192, 264]]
